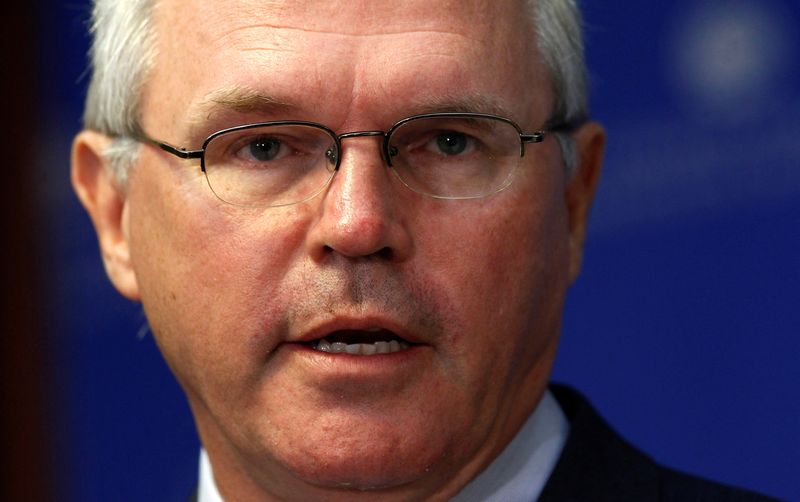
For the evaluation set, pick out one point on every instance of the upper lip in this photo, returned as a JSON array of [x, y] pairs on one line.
[[340, 323]]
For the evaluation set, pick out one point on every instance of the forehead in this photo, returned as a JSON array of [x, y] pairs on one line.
[[343, 57]]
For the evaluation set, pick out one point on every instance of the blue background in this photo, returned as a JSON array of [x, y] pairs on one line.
[[683, 329]]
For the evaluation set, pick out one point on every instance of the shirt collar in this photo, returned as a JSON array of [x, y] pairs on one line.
[[522, 469], [207, 490]]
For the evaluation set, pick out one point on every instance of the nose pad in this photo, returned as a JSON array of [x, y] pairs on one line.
[[333, 158], [332, 154]]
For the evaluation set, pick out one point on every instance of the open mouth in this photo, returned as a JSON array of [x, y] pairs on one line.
[[361, 342]]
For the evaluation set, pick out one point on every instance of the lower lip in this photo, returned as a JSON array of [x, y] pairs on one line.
[[344, 365]]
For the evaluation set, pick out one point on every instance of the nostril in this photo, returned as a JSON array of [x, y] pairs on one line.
[[385, 253]]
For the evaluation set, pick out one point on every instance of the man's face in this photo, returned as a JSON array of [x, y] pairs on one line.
[[233, 295]]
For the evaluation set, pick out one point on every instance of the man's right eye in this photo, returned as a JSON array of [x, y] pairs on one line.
[[261, 149], [451, 143]]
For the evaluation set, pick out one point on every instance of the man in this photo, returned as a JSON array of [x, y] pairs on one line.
[[352, 227]]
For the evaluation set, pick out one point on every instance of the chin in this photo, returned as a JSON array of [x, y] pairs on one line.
[[375, 461]]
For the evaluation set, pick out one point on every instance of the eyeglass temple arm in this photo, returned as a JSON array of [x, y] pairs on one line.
[[178, 152], [536, 137], [557, 127]]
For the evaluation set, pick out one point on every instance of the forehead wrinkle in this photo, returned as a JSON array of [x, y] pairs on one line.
[[360, 19], [288, 26], [385, 31]]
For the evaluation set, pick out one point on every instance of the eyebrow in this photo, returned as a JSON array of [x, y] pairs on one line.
[[234, 99], [463, 103]]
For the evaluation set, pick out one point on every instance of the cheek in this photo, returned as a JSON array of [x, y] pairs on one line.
[[206, 279], [501, 281], [484, 254]]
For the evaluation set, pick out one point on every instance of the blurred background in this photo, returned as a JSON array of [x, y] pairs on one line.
[[684, 329]]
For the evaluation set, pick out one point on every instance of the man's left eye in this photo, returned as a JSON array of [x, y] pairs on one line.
[[452, 143], [264, 149]]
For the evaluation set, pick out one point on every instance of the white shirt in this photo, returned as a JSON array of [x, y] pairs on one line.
[[518, 474]]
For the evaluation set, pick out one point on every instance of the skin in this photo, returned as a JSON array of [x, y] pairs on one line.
[[479, 285]]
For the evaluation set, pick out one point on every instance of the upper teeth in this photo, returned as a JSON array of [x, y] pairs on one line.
[[366, 349]]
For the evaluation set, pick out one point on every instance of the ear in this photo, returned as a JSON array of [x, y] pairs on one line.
[[107, 205], [590, 141]]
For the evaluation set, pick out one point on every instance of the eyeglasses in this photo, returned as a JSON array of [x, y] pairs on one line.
[[441, 155]]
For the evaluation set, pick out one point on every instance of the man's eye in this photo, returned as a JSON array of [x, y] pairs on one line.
[[261, 149], [452, 143]]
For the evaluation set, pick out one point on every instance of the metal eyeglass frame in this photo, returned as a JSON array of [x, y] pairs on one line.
[[386, 150], [536, 137]]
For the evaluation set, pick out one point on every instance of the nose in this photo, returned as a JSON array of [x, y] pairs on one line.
[[360, 215]]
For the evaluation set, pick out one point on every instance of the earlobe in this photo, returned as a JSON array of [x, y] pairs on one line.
[[590, 141], [107, 205]]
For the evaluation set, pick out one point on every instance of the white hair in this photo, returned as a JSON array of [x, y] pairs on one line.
[[122, 54], [559, 31], [124, 49]]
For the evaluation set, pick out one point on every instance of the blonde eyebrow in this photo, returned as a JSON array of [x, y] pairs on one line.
[[461, 103], [244, 100], [235, 99]]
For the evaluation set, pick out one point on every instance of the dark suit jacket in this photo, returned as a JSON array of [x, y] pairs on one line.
[[597, 465]]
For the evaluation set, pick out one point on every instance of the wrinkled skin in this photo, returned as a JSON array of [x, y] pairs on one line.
[[478, 285]]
